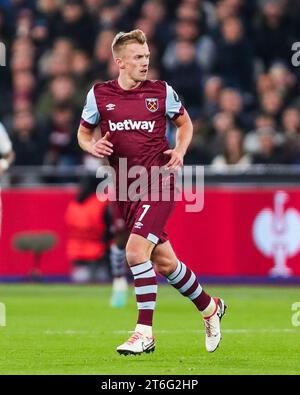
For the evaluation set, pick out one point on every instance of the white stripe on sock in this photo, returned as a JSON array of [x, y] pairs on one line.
[[179, 276], [146, 305], [188, 284], [177, 270], [195, 294], [150, 273], [147, 289], [137, 269]]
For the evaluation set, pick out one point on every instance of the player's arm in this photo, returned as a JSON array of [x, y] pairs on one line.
[[184, 133], [99, 148], [86, 132]]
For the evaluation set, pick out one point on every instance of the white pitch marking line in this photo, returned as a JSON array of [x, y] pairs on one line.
[[162, 331], [67, 332], [234, 331]]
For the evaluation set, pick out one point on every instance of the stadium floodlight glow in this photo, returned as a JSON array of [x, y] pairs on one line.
[[2, 54]]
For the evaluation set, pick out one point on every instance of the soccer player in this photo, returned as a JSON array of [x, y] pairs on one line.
[[6, 157], [131, 112]]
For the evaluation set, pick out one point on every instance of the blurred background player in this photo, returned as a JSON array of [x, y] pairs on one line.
[[118, 258], [88, 234], [93, 241], [6, 158]]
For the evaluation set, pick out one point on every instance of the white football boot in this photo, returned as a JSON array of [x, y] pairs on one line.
[[137, 344], [213, 326]]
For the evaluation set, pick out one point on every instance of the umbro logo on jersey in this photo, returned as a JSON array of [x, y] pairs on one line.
[[128, 124], [151, 104], [110, 106], [138, 225]]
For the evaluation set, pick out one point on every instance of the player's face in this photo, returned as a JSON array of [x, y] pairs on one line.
[[135, 61]]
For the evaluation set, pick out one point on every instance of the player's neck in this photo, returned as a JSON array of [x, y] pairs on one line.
[[128, 84]]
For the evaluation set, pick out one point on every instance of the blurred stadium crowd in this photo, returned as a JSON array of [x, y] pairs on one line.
[[229, 60]]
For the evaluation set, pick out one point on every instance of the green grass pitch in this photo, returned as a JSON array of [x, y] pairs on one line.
[[65, 329]]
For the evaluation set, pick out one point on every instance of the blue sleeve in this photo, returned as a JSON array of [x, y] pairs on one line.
[[90, 114], [174, 107]]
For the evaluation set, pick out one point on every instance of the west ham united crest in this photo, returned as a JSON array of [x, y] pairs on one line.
[[152, 104]]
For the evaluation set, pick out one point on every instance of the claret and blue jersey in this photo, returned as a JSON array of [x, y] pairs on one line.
[[136, 119]]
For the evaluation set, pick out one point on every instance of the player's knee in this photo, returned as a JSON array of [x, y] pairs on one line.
[[165, 266], [135, 256]]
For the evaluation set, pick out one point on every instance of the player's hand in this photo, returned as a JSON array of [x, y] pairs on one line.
[[176, 160], [102, 147]]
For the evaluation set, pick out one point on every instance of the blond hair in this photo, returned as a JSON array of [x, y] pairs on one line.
[[122, 39]]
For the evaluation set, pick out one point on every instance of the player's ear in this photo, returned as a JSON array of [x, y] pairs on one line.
[[120, 63]]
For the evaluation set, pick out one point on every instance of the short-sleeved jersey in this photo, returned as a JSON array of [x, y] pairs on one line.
[[136, 119], [5, 143]]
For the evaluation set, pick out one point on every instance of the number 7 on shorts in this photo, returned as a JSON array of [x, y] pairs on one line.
[[146, 208]]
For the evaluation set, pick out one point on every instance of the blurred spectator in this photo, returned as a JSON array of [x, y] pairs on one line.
[[197, 152], [262, 122], [62, 139], [233, 153], [23, 86], [231, 101], [28, 142], [77, 25], [102, 54], [93, 6], [49, 14], [57, 60], [212, 90], [22, 55], [204, 45], [272, 104], [291, 128], [81, 69], [291, 121], [62, 90], [283, 79], [234, 56], [40, 36], [185, 73], [109, 15], [24, 22], [269, 152], [221, 123], [224, 10], [130, 11], [264, 83], [273, 33], [154, 12]]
